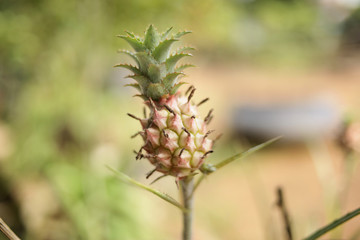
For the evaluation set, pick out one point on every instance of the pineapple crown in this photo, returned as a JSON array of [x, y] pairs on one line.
[[156, 73]]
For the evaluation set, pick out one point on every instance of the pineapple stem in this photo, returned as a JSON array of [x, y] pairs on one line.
[[187, 186]]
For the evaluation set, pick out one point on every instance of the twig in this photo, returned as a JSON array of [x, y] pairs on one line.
[[333, 225], [285, 215], [7, 231]]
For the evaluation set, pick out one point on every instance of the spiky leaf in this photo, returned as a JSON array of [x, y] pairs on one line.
[[180, 34], [166, 33], [152, 38], [132, 55], [185, 49], [170, 80], [135, 70], [142, 80], [142, 96], [172, 60], [182, 67], [155, 91], [161, 52], [145, 61], [156, 72], [176, 87], [135, 43], [134, 85]]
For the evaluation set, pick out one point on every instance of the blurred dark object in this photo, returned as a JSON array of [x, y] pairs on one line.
[[296, 122], [350, 38], [349, 137], [9, 209]]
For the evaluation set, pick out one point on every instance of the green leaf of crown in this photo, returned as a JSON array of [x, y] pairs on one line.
[[155, 72]]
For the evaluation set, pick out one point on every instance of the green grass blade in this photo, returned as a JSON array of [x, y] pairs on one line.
[[333, 225], [246, 153], [124, 178], [233, 158]]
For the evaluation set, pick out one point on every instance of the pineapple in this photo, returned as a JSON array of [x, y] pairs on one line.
[[176, 138]]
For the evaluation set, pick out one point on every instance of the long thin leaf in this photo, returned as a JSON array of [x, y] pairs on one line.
[[246, 153], [124, 178], [233, 158], [333, 225]]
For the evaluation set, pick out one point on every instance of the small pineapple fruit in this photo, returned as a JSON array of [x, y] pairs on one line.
[[176, 139]]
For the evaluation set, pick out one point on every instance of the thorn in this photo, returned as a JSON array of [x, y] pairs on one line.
[[191, 94], [185, 130], [208, 115], [144, 111], [133, 116], [152, 103], [165, 134], [189, 89], [203, 101], [169, 109], [208, 133], [208, 152], [158, 178], [150, 173], [139, 154], [135, 135], [181, 151]]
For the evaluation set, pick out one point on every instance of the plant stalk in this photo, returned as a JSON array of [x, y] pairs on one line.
[[7, 231], [187, 187]]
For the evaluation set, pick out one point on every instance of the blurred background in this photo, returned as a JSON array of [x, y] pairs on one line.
[[270, 68]]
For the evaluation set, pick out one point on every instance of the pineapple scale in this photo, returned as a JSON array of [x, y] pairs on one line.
[[175, 137]]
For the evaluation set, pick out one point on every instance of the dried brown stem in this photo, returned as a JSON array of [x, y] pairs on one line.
[[7, 231], [285, 215]]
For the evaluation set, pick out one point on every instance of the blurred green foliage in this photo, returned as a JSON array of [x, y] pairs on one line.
[[65, 105]]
